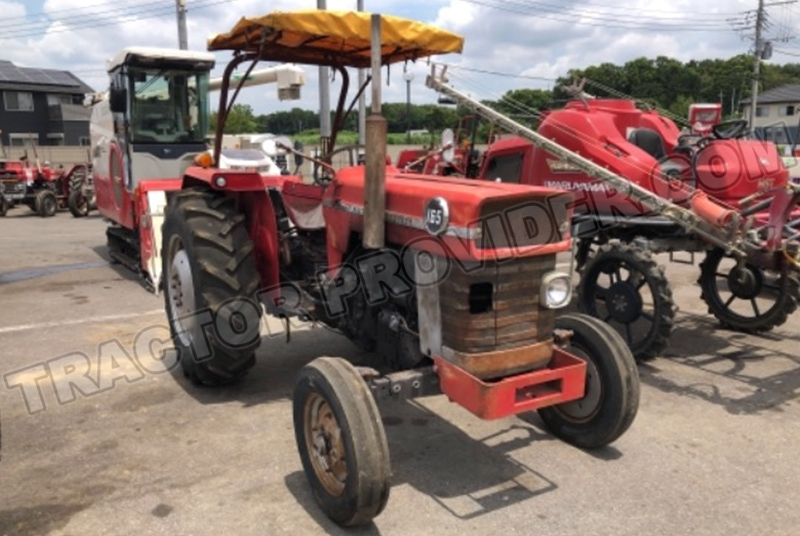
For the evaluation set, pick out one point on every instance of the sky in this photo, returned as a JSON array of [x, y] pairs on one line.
[[508, 43]]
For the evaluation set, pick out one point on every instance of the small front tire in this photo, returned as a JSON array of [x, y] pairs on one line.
[[46, 203], [78, 204], [341, 441], [611, 400]]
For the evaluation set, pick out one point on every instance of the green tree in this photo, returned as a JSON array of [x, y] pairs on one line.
[[240, 121]]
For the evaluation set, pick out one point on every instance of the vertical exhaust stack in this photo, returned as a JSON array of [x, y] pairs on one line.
[[376, 128]]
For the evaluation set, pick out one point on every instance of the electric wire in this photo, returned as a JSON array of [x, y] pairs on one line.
[[107, 20], [519, 9]]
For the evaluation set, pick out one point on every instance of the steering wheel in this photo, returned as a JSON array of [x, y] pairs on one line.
[[730, 129]]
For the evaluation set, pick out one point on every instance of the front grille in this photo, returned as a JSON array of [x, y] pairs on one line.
[[12, 187], [496, 306], [515, 224]]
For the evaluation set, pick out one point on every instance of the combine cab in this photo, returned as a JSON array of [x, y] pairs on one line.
[[643, 187], [411, 268], [146, 131]]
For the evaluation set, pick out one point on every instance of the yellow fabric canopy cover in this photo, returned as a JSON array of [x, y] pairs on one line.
[[334, 38]]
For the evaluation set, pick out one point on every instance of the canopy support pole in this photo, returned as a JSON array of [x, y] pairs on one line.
[[376, 128]]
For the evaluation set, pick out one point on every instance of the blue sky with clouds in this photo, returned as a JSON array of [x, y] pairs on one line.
[[540, 39]]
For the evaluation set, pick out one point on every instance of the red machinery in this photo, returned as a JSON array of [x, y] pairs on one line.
[[43, 189], [146, 131], [400, 264], [641, 187]]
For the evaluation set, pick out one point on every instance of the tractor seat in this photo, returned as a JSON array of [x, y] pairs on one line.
[[649, 141]]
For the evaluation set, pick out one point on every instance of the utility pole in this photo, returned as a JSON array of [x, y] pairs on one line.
[[324, 99], [362, 99], [756, 64], [762, 50], [183, 35]]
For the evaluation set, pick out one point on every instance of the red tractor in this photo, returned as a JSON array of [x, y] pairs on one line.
[[410, 268], [643, 187], [43, 189]]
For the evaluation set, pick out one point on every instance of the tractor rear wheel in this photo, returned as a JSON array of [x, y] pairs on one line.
[[46, 203], [210, 281], [621, 284], [746, 298], [341, 441], [611, 399], [78, 204], [3, 206]]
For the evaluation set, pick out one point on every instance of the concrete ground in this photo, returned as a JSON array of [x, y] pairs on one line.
[[711, 452]]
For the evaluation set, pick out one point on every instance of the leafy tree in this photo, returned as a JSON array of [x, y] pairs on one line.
[[240, 121]]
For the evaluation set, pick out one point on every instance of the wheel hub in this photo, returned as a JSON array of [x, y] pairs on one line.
[[745, 282], [584, 408], [325, 445], [624, 302], [180, 290]]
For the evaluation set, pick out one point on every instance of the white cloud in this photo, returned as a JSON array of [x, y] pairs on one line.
[[538, 44]]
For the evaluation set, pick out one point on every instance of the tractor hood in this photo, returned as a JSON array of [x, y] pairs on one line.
[[498, 220]]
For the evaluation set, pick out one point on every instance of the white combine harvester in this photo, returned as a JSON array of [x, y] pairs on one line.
[[150, 126]]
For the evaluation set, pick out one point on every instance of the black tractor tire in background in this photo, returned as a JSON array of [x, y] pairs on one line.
[[210, 287], [46, 203], [784, 290], [4, 206], [78, 204], [611, 400], [341, 441], [658, 318]]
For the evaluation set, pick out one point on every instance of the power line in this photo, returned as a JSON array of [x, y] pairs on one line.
[[110, 20], [649, 10], [79, 12], [605, 15], [585, 20]]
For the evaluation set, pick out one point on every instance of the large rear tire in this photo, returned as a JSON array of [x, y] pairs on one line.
[[4, 206], [341, 441], [210, 285], [611, 400]]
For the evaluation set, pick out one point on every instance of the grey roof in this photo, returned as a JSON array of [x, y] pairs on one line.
[[48, 80], [787, 93]]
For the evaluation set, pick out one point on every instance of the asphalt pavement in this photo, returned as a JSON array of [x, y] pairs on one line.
[[712, 451]]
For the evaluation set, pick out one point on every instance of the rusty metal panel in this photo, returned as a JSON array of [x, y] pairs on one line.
[[505, 314], [504, 362]]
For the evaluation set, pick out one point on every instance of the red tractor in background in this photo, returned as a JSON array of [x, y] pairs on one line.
[[674, 184], [407, 267], [45, 190]]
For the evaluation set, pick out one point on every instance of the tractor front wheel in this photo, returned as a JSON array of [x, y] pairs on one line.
[[611, 398], [210, 282], [3, 206], [341, 441], [78, 204], [46, 203]]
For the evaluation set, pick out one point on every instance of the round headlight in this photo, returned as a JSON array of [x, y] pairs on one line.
[[556, 290]]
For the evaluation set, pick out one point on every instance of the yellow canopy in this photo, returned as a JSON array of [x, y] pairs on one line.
[[334, 38]]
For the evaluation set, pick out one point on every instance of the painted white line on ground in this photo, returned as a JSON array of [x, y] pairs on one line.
[[90, 320]]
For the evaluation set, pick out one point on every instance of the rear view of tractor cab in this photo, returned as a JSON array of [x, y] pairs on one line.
[[451, 284]]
